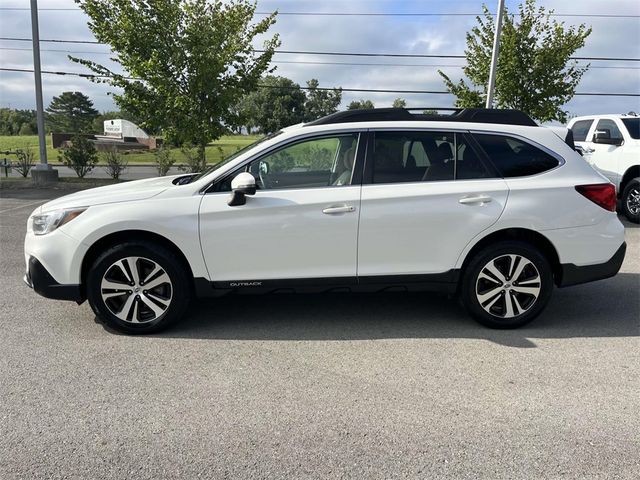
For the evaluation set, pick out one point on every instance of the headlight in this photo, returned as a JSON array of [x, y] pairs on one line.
[[44, 223]]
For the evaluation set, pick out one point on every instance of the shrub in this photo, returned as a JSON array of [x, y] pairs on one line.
[[194, 160], [26, 159], [164, 160], [115, 163], [80, 156]]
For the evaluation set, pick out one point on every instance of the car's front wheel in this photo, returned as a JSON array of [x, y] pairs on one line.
[[138, 288], [631, 200], [507, 285]]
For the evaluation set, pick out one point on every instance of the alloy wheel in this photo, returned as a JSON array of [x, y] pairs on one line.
[[633, 201], [508, 286], [136, 290]]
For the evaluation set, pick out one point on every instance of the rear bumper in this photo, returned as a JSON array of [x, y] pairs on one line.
[[38, 278], [571, 274]]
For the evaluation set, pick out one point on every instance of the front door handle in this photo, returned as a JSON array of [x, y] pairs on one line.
[[474, 200], [333, 210]]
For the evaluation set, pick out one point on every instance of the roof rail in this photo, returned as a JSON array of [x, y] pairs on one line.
[[474, 115]]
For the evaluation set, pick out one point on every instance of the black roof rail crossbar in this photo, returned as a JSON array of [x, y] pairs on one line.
[[366, 115], [473, 115]]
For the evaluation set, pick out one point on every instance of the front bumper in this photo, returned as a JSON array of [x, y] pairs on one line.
[[571, 274], [38, 278]]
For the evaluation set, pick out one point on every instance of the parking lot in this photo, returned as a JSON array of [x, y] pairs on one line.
[[319, 386]]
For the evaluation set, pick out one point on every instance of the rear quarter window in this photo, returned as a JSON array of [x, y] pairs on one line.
[[515, 158], [580, 130]]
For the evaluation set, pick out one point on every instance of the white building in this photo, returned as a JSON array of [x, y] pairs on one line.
[[123, 128]]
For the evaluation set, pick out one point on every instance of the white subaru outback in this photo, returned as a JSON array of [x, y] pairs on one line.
[[482, 203]]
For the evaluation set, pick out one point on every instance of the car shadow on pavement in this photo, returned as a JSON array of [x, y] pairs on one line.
[[609, 308]]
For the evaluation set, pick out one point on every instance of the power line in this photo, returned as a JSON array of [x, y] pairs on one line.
[[375, 14], [302, 62], [345, 54], [344, 89]]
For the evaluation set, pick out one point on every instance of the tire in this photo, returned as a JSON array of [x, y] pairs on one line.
[[631, 200], [486, 285], [121, 301]]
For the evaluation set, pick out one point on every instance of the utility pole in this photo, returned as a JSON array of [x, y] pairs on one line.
[[42, 173], [494, 56]]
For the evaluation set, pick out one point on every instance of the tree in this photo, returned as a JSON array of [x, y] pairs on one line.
[[534, 72], [320, 102], [399, 103], [71, 112], [360, 104], [191, 61], [80, 155], [13, 122], [279, 103]]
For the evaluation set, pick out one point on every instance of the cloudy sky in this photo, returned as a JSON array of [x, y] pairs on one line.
[[433, 34]]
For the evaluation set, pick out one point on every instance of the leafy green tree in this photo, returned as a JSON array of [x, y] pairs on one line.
[[399, 103], [360, 104], [320, 103], [80, 155], [279, 103], [13, 121], [71, 112], [191, 60], [534, 71]]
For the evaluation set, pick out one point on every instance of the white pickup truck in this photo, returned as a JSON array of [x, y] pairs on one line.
[[611, 144]]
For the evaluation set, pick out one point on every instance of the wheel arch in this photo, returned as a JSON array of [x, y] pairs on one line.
[[531, 237], [631, 173], [123, 236]]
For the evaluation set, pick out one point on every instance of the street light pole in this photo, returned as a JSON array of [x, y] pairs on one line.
[[494, 56], [41, 174], [35, 36]]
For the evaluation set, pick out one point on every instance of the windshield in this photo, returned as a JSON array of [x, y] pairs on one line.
[[633, 126], [235, 155]]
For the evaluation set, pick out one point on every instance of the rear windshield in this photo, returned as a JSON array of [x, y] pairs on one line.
[[633, 126]]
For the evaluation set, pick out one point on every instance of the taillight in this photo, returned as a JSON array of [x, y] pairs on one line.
[[602, 194]]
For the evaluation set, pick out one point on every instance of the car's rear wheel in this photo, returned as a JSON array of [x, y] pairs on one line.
[[631, 200], [138, 288], [507, 285]]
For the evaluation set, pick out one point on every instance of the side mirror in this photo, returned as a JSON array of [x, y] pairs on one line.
[[242, 184]]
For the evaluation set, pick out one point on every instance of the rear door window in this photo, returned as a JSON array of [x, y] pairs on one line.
[[423, 156], [515, 158]]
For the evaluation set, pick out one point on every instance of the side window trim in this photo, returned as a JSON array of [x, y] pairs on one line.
[[356, 177]]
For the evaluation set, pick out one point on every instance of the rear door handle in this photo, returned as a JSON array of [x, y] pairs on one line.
[[339, 209], [474, 200]]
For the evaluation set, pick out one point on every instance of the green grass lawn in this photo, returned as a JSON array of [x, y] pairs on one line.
[[229, 143]]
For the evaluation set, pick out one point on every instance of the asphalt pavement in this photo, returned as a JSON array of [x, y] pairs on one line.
[[319, 386]]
